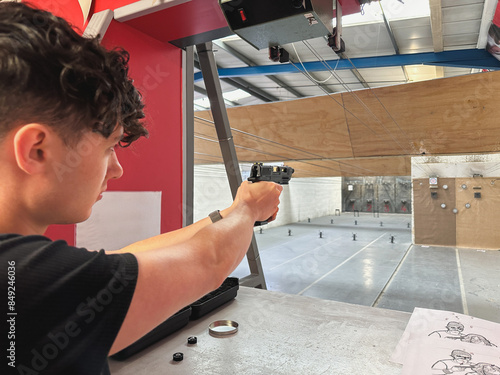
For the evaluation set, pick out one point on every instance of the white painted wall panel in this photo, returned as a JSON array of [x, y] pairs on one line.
[[119, 219], [303, 198], [455, 166]]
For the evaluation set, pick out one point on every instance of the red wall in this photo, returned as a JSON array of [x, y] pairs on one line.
[[111, 4], [153, 164]]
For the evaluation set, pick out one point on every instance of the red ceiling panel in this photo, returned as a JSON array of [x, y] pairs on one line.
[[184, 20], [188, 19]]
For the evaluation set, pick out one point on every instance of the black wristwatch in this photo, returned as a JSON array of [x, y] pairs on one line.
[[215, 216]]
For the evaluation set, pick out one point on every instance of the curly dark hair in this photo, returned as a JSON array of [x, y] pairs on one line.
[[50, 74]]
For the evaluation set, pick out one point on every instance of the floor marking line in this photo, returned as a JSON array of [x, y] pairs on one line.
[[461, 282], [340, 265], [375, 303]]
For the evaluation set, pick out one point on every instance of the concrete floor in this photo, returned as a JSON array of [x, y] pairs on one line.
[[372, 271]]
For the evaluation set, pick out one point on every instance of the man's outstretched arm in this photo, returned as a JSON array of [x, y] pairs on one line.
[[170, 238], [194, 262]]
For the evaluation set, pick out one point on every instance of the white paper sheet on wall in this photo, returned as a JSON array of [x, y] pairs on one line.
[[119, 219]]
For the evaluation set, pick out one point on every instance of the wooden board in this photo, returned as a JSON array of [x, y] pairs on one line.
[[433, 225], [373, 129], [477, 226], [386, 166], [349, 131]]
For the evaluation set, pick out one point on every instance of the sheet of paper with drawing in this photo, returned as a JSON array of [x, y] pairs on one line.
[[436, 328], [434, 357]]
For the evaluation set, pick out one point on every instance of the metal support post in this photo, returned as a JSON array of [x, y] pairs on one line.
[[338, 27], [214, 92], [188, 137]]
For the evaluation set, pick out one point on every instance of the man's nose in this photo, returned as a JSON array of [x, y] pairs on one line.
[[115, 169]]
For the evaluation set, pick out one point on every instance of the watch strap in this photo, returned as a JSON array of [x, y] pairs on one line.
[[215, 216]]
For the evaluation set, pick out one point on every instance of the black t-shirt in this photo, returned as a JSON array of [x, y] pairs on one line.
[[62, 306]]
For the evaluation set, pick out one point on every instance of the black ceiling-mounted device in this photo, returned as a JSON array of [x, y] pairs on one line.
[[269, 23]]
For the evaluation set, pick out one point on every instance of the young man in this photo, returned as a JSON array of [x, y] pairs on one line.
[[67, 308]]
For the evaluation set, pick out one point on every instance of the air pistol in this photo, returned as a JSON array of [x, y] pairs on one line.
[[278, 174]]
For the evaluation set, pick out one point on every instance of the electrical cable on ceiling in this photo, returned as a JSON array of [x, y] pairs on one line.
[[356, 117], [325, 63], [412, 146], [333, 73], [350, 112], [356, 97], [334, 99], [271, 87], [305, 70]]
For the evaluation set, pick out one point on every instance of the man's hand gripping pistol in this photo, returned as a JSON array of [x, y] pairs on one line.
[[277, 174]]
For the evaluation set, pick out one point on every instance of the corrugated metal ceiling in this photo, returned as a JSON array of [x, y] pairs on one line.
[[457, 25]]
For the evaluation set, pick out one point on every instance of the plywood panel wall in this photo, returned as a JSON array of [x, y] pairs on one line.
[[477, 226], [366, 132], [434, 225]]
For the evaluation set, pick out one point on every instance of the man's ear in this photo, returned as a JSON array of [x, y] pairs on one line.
[[30, 147]]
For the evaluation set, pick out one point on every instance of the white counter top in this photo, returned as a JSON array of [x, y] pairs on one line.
[[279, 334]]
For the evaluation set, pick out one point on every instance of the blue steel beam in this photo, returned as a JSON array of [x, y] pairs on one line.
[[467, 58]]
